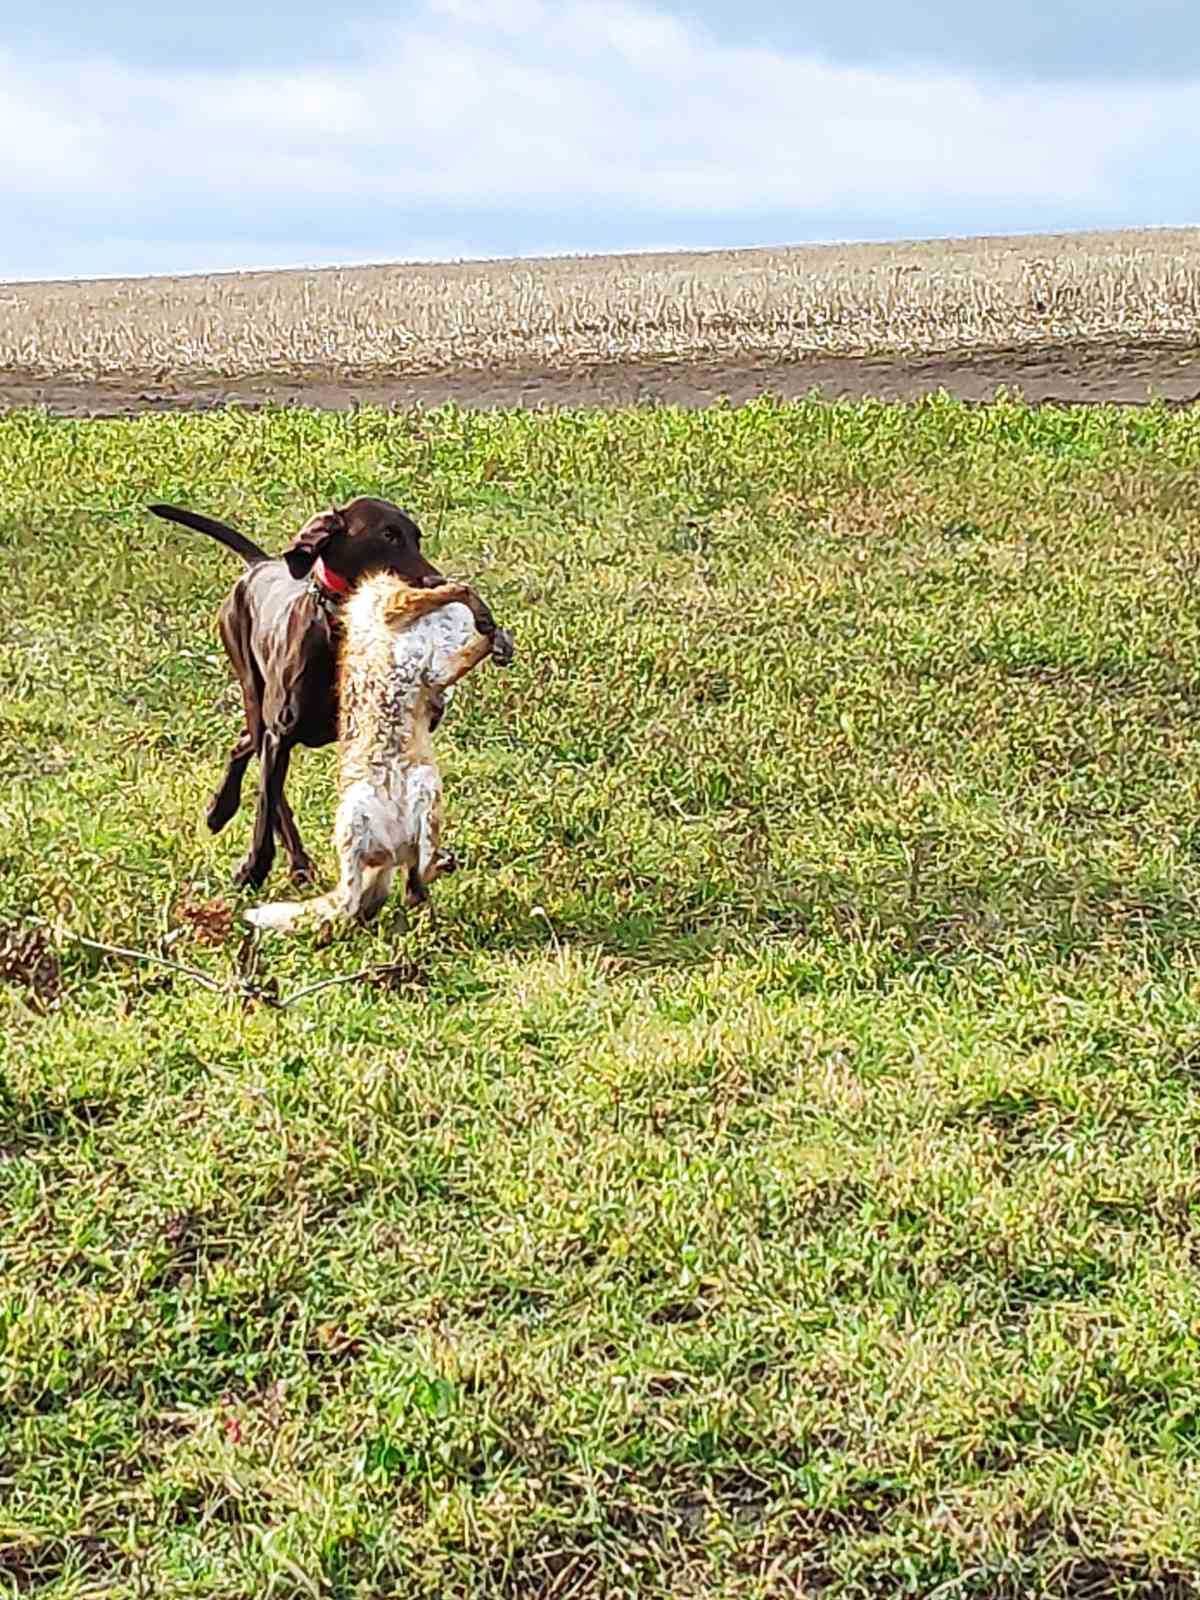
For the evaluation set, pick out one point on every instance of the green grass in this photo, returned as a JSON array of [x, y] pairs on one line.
[[773, 1171]]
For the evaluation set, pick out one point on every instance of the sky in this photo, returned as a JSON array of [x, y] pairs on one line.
[[142, 136]]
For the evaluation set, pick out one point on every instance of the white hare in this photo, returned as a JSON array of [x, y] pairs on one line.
[[404, 650]]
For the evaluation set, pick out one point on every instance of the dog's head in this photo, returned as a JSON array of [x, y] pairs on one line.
[[362, 537]]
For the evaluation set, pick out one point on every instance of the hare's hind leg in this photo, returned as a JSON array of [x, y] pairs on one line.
[[365, 853], [431, 860], [377, 885]]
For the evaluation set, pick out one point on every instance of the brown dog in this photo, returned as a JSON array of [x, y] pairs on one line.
[[280, 629]]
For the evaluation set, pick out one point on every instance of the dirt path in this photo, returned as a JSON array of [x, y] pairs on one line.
[[1116, 374]]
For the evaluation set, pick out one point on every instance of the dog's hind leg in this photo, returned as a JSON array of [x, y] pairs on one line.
[[228, 795], [275, 754], [300, 866]]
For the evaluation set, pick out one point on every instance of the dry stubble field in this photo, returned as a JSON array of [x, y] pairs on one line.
[[1091, 316]]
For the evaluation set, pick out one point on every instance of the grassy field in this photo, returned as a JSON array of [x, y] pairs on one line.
[[952, 294], [775, 1168]]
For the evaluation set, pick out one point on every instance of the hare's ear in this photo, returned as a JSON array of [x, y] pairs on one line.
[[312, 541]]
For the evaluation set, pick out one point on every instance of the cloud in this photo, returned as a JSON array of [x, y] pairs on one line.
[[1038, 40], [562, 110]]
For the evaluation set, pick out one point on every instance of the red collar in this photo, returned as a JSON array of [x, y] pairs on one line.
[[325, 578]]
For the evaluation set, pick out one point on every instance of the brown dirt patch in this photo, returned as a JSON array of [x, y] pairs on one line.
[[1095, 374]]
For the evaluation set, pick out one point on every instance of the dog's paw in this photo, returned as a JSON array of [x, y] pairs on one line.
[[502, 648], [303, 874], [250, 873], [220, 810]]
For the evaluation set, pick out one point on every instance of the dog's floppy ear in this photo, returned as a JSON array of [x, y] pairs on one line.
[[312, 539]]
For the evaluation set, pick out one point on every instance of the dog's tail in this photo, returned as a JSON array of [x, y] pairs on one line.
[[250, 553]]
